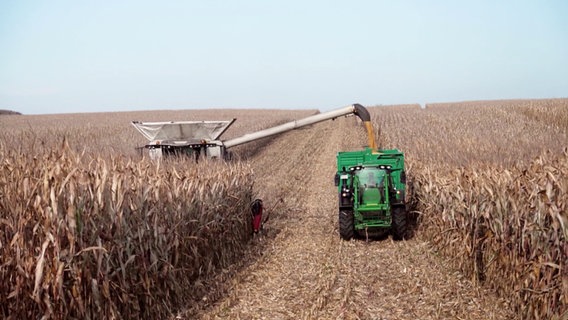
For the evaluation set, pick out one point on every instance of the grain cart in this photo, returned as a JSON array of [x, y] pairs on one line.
[[202, 138], [371, 186]]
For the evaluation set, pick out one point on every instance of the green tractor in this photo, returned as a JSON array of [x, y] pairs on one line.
[[371, 186]]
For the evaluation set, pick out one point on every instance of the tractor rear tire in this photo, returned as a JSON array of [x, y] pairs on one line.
[[399, 223], [346, 224]]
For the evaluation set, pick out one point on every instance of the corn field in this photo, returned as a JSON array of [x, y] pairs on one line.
[[490, 184], [506, 228], [91, 229], [113, 238], [104, 134]]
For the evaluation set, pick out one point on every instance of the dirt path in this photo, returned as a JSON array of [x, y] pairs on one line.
[[307, 272]]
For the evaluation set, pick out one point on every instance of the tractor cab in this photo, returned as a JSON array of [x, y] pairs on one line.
[[371, 185]]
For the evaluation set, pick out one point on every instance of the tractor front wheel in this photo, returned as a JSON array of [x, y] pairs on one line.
[[346, 224], [399, 223]]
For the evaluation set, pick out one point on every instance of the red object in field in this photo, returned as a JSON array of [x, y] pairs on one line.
[[256, 210]]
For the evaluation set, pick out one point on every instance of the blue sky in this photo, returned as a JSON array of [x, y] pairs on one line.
[[88, 56]]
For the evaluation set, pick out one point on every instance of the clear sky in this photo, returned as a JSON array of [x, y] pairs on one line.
[[86, 56]]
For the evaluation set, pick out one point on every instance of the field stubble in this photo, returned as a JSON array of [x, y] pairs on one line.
[[308, 272]]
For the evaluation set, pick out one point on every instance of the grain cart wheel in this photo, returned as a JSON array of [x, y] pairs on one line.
[[346, 224], [399, 223]]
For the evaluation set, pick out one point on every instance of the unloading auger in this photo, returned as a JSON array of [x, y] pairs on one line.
[[202, 138]]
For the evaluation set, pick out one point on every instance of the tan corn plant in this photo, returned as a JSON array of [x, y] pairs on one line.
[[489, 181], [115, 238]]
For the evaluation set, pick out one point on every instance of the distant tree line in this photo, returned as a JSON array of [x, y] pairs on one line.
[[7, 112]]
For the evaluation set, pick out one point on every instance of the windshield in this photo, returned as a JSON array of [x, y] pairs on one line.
[[371, 177]]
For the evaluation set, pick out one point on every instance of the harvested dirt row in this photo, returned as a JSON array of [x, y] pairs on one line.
[[307, 272]]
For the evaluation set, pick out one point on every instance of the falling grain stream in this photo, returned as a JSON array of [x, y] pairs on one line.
[[307, 272]]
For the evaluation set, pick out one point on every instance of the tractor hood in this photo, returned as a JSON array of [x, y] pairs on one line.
[[182, 130]]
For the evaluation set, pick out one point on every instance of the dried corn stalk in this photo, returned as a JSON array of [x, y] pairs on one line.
[[507, 228], [113, 238]]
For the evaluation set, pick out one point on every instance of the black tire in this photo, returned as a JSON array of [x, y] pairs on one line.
[[346, 224], [399, 223]]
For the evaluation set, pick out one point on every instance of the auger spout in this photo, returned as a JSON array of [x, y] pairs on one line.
[[364, 115], [356, 109]]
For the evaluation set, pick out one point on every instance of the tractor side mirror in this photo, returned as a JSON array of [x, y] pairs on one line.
[[403, 177], [336, 179]]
